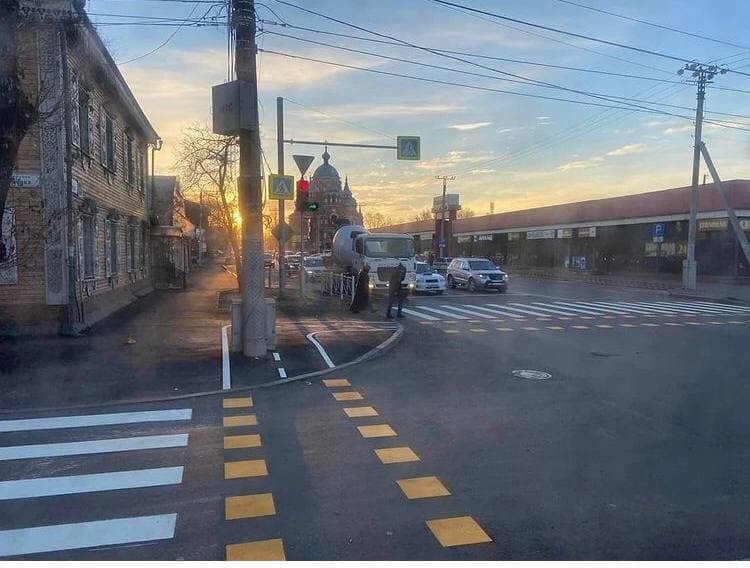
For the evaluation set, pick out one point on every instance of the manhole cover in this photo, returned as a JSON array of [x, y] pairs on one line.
[[529, 374]]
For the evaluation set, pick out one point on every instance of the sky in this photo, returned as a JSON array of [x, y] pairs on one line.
[[507, 151]]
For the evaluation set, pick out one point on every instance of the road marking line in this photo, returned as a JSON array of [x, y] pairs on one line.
[[579, 326], [245, 441], [94, 420], [319, 347], [556, 311], [586, 317], [336, 383], [478, 330], [70, 484], [376, 431], [608, 317], [396, 455], [619, 308], [282, 372], [451, 331], [276, 356], [425, 322], [543, 319], [650, 324], [93, 447], [604, 326], [627, 325], [715, 322], [499, 312], [523, 311], [420, 315], [629, 317], [554, 327], [260, 550], [53, 538], [565, 308], [226, 382], [242, 420], [360, 411], [245, 468], [422, 487], [465, 311], [564, 318], [249, 506], [243, 402], [530, 328], [457, 531], [444, 313], [734, 321], [504, 328], [712, 308], [693, 323], [351, 395], [673, 324]]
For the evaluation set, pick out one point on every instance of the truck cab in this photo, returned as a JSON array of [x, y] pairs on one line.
[[383, 252]]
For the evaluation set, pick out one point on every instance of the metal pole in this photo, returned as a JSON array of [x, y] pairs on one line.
[[690, 266], [280, 154], [200, 230], [442, 214], [249, 188]]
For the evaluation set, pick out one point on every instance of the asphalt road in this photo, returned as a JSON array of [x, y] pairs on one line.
[[636, 447]]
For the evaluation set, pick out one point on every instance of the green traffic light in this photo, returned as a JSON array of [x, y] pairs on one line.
[[312, 206]]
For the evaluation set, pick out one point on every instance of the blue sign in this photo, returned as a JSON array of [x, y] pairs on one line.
[[658, 229]]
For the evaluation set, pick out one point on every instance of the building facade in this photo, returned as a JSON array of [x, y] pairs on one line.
[[76, 224], [643, 233], [337, 206]]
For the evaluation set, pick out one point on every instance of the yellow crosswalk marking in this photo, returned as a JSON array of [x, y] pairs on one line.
[[396, 455], [422, 487], [457, 531], [259, 550], [247, 506]]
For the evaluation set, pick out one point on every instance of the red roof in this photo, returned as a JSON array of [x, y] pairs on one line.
[[662, 203]]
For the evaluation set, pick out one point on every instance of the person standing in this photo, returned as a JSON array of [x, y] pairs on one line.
[[361, 298], [396, 291]]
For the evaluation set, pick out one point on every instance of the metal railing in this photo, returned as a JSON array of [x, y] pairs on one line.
[[338, 284]]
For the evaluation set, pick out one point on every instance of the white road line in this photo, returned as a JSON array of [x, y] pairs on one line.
[[93, 447], [719, 306], [498, 312], [529, 312], [443, 313], [69, 484], [622, 307], [655, 308], [611, 308], [577, 311], [586, 307], [81, 421], [276, 356], [419, 315], [319, 347], [710, 309], [470, 312], [687, 308], [558, 312], [84, 535], [226, 381], [282, 372]]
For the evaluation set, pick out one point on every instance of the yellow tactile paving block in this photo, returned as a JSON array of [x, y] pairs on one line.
[[247, 506], [261, 550], [457, 531], [351, 395], [360, 411], [422, 487], [244, 420], [376, 431], [336, 383], [245, 468], [243, 402], [247, 441], [397, 455]]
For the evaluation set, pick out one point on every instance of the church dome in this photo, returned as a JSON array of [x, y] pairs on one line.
[[326, 170]]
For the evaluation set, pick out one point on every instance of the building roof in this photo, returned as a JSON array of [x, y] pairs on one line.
[[654, 204], [326, 169]]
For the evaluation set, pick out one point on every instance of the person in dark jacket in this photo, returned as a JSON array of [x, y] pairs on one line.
[[361, 298], [396, 290]]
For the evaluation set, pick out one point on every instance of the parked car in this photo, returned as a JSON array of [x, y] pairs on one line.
[[476, 274], [293, 262], [268, 261], [428, 280], [314, 267]]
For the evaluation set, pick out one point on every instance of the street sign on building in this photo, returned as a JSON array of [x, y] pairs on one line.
[[658, 233], [408, 148], [303, 162], [280, 187]]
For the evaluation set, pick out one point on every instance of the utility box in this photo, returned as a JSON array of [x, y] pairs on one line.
[[232, 107]]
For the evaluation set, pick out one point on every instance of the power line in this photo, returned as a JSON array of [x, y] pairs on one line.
[[523, 82], [654, 25], [355, 124], [573, 34]]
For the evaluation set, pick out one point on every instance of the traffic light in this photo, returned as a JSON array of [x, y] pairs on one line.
[[303, 197]]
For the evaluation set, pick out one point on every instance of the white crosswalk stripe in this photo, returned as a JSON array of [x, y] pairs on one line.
[[33, 487], [574, 309]]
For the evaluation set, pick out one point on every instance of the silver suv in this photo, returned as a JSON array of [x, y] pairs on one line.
[[476, 274]]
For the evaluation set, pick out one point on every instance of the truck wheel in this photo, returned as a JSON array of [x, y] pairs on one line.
[[472, 285], [451, 282]]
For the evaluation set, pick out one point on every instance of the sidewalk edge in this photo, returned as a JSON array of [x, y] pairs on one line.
[[373, 353]]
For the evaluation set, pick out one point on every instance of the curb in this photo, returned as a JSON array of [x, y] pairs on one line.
[[373, 353]]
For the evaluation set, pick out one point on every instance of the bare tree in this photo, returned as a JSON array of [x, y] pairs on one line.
[[424, 215], [465, 213], [377, 220]]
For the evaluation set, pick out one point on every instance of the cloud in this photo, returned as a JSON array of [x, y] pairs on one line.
[[581, 164], [510, 129], [543, 117], [470, 125], [358, 111], [677, 129], [627, 150]]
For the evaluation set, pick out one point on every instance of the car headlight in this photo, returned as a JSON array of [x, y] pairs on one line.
[[482, 277], [412, 284], [371, 285]]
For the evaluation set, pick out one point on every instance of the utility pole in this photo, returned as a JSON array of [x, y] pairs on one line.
[[282, 215], [702, 74], [249, 187], [442, 213]]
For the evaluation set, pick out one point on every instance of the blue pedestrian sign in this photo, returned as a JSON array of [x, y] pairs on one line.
[[658, 232]]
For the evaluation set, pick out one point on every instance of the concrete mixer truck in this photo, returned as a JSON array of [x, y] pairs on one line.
[[354, 246]]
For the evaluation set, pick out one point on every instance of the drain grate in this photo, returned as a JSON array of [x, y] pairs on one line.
[[530, 374]]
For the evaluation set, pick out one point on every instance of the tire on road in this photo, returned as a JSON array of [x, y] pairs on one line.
[[451, 282], [472, 285]]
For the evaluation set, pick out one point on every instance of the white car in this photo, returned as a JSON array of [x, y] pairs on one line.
[[428, 280]]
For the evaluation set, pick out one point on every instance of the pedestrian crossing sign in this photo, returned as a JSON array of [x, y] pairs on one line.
[[408, 148], [280, 187]]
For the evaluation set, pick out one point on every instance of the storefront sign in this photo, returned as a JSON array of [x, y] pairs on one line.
[[482, 237], [564, 233], [464, 239], [24, 180], [586, 232], [543, 234], [712, 225], [514, 236]]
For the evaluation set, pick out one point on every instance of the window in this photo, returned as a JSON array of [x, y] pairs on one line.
[[142, 255], [84, 99], [131, 248], [129, 162], [89, 246], [8, 253], [107, 139], [110, 236]]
